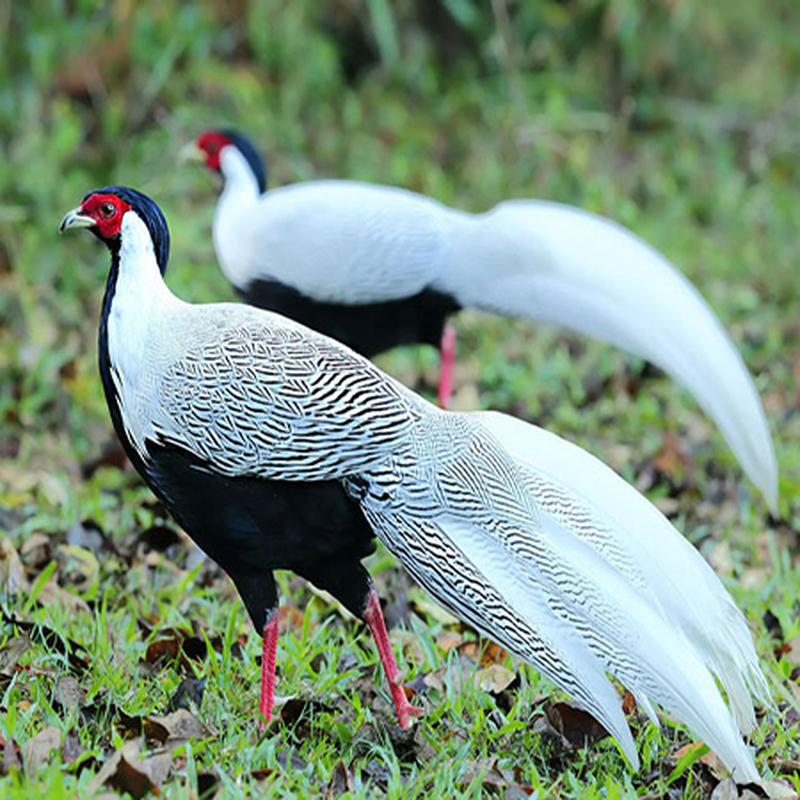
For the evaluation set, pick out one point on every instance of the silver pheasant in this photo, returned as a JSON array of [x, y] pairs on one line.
[[229, 411]]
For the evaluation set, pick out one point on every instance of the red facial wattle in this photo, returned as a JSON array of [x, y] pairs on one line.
[[211, 144], [107, 211]]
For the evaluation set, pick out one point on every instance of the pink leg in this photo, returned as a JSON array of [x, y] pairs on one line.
[[269, 646], [447, 351], [374, 618]]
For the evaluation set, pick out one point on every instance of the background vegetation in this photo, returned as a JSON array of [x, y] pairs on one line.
[[679, 119]]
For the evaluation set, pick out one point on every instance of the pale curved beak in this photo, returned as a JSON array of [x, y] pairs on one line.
[[75, 219], [191, 152]]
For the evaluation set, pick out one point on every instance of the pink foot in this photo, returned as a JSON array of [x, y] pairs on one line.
[[269, 646], [447, 353], [374, 618], [406, 713]]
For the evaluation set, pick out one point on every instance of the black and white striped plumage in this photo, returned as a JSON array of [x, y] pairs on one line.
[[377, 266], [244, 422]]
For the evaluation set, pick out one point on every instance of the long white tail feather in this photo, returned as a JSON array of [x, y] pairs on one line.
[[643, 649], [564, 266], [508, 608], [664, 561], [644, 702], [636, 539]]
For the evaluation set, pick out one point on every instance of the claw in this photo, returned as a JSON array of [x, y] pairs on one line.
[[406, 714]]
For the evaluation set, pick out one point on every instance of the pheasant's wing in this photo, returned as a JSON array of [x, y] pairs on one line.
[[348, 242], [259, 395]]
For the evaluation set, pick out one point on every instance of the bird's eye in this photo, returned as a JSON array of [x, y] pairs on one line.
[[212, 148], [108, 210]]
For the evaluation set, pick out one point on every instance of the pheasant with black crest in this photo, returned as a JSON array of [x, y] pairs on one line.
[[378, 266], [277, 447]]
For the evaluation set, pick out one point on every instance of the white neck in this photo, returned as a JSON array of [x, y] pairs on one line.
[[139, 277], [135, 322], [240, 180], [240, 193]]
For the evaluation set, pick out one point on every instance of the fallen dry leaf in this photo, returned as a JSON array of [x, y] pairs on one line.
[[670, 459], [376, 776], [483, 652], [485, 771], [709, 758], [68, 693], [12, 574], [409, 743], [776, 789], [754, 578], [410, 645], [773, 625], [162, 651], [628, 703], [178, 726], [159, 538], [450, 673], [574, 724], [12, 653], [342, 780], [71, 749], [36, 551], [292, 619], [721, 558], [298, 713], [290, 761], [189, 693], [12, 755], [447, 640], [668, 506], [89, 535], [112, 456], [518, 791], [177, 645], [52, 594], [78, 565], [207, 784], [416, 687], [792, 652], [36, 752], [127, 772], [51, 640], [103, 712], [495, 679], [725, 790]]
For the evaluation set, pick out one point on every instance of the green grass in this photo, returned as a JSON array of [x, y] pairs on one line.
[[678, 120]]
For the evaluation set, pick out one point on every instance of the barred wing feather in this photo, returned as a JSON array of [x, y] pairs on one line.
[[276, 401]]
